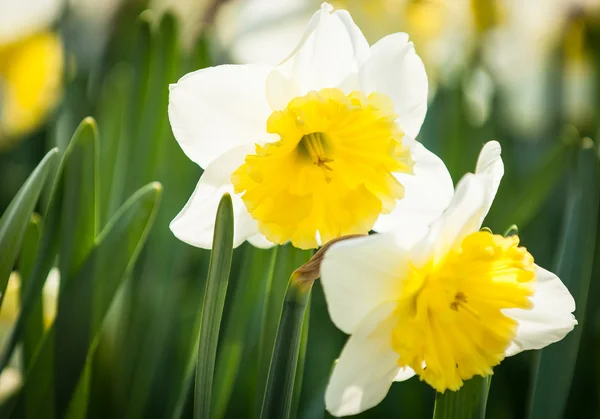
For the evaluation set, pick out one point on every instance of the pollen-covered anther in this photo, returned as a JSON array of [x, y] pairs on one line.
[[459, 298], [313, 145]]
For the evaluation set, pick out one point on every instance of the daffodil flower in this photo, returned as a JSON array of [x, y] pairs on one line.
[[446, 305], [318, 147], [31, 65], [528, 35]]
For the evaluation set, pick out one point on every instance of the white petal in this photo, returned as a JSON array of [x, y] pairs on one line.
[[462, 218], [254, 31], [331, 48], [195, 223], [427, 193], [280, 90], [364, 372], [490, 167], [394, 68], [404, 374], [361, 274], [549, 320], [219, 108], [11, 380], [22, 18], [260, 241]]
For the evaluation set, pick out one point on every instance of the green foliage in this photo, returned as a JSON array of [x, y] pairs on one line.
[[467, 403], [212, 307], [280, 390], [15, 219], [555, 365]]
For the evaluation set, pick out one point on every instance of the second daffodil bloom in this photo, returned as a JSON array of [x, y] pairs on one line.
[[31, 65], [446, 305], [318, 147]]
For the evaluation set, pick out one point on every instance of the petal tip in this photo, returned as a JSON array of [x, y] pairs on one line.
[[326, 7]]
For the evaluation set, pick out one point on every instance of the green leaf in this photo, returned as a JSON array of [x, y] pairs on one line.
[[82, 146], [212, 308], [78, 222], [300, 364], [15, 219], [468, 402], [279, 394], [78, 226], [152, 335], [75, 332], [113, 160], [324, 345], [239, 336], [70, 172], [288, 258], [158, 62], [34, 329], [520, 207], [554, 365]]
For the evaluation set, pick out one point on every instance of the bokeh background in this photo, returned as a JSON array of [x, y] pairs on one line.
[[523, 72]]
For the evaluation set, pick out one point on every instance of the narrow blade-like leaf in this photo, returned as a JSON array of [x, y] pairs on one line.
[[15, 219], [554, 365], [212, 310], [82, 144], [279, 394], [75, 331]]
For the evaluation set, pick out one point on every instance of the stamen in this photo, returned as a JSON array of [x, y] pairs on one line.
[[313, 145], [459, 298]]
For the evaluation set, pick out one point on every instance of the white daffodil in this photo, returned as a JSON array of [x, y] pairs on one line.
[[318, 147], [447, 305], [528, 36], [31, 65]]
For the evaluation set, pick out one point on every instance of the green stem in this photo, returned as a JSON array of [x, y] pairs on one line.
[[469, 402], [277, 402]]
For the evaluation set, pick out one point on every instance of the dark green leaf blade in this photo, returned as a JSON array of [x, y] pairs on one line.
[[279, 394], [15, 219], [34, 329], [78, 223], [74, 334], [534, 190], [239, 342], [554, 365], [212, 310]]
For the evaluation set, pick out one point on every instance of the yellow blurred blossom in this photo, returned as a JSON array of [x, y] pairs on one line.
[[31, 66]]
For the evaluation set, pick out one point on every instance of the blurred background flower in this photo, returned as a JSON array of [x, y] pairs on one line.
[[31, 65], [11, 377]]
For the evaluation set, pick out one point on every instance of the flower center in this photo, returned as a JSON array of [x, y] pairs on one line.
[[332, 171], [451, 320], [313, 145]]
